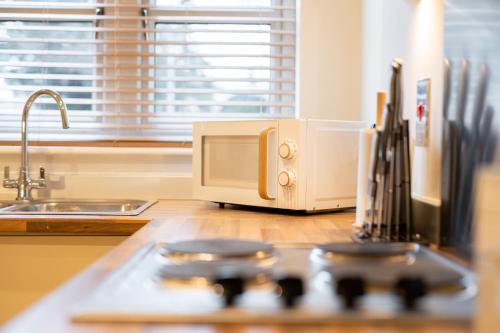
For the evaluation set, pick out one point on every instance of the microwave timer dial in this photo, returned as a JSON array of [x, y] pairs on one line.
[[287, 178], [287, 150]]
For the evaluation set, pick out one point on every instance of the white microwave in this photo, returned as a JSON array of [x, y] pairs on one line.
[[295, 164]]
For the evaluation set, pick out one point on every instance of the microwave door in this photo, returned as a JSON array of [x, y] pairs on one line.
[[236, 162]]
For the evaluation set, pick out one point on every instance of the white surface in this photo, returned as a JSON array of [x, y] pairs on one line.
[[332, 160], [428, 61], [108, 173], [322, 175], [330, 59], [130, 151], [364, 154]]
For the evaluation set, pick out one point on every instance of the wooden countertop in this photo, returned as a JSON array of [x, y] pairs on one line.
[[70, 225], [174, 220]]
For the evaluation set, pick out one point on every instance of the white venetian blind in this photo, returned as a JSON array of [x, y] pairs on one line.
[[144, 70]]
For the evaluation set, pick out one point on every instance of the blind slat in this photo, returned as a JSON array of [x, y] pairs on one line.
[[176, 19], [83, 5], [173, 117], [104, 90], [139, 42], [83, 101], [143, 54], [135, 65], [142, 30], [71, 77]]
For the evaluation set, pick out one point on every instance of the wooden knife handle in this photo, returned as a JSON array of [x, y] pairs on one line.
[[381, 100]]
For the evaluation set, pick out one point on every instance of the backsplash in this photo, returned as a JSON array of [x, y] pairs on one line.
[[105, 173]]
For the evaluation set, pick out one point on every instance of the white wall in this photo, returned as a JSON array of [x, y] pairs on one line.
[[413, 31], [330, 59], [428, 59], [387, 30]]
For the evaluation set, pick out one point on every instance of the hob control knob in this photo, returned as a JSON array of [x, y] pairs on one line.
[[410, 290], [350, 289], [230, 288], [287, 150], [287, 178], [290, 288]]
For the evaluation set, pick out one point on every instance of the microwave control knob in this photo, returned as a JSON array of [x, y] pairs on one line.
[[287, 178], [287, 150]]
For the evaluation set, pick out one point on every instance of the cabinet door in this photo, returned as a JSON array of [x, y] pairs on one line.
[[39, 264]]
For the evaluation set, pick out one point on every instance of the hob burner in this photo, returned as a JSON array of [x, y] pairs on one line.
[[228, 279], [371, 250], [212, 270], [384, 275], [217, 249], [380, 264], [339, 253]]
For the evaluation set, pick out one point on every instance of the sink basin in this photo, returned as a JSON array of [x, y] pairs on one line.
[[78, 207], [6, 204]]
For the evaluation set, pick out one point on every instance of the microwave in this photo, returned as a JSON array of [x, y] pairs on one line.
[[296, 164]]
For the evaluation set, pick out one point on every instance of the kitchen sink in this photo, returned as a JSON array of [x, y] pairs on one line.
[[6, 204], [77, 207]]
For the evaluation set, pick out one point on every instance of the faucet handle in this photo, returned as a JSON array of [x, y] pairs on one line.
[[7, 182], [39, 183]]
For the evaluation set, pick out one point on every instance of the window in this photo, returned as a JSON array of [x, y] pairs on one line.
[[144, 70]]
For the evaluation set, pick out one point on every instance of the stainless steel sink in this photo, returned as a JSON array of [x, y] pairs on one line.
[[6, 204], [77, 207]]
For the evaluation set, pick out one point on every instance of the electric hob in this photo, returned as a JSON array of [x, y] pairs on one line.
[[244, 281]]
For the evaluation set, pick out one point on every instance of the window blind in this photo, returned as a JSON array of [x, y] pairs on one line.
[[144, 70]]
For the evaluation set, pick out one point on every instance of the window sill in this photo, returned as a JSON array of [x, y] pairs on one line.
[[109, 144], [79, 150]]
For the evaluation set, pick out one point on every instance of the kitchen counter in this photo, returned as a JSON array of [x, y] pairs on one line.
[[175, 220], [70, 225]]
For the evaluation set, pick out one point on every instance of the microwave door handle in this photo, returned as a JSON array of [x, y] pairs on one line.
[[263, 171]]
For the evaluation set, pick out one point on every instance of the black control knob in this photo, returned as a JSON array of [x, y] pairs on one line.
[[350, 289], [410, 289], [290, 288], [230, 288]]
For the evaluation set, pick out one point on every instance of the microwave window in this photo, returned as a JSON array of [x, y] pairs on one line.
[[230, 161]]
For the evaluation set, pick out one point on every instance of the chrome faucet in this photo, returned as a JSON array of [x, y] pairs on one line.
[[24, 183]]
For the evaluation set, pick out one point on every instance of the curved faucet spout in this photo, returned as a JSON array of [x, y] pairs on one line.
[[24, 183], [24, 124]]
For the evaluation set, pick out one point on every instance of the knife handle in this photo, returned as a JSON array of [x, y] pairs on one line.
[[447, 88], [381, 100]]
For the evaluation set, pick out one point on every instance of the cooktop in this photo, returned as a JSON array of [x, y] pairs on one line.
[[245, 281]]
